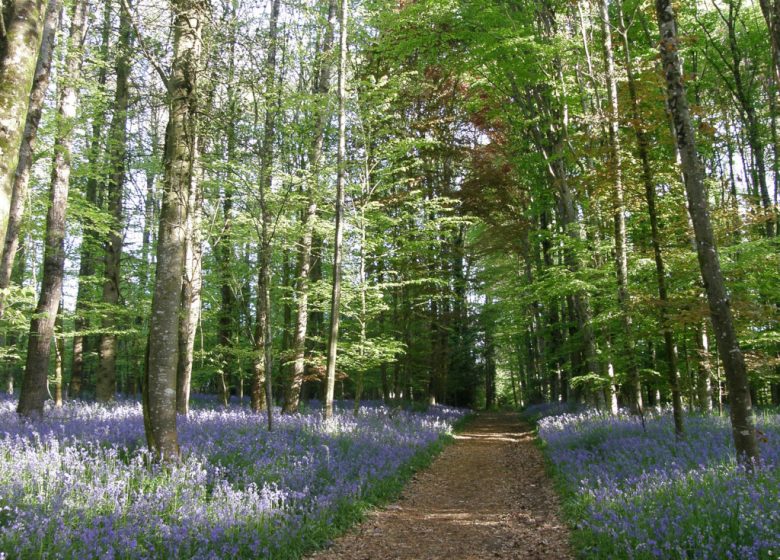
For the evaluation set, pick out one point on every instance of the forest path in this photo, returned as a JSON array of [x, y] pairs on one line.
[[486, 496]]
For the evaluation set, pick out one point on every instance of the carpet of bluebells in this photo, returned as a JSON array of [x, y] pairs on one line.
[[636, 492], [79, 484]]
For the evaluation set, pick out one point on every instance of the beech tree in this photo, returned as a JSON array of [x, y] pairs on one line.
[[742, 417], [339, 235], [180, 154], [36, 372]]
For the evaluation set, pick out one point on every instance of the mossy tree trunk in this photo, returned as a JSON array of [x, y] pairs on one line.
[[35, 384]]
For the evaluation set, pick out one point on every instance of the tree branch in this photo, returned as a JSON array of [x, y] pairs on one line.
[[150, 57]]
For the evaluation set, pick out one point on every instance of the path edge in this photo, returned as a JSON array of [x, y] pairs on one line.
[[349, 512], [569, 511]]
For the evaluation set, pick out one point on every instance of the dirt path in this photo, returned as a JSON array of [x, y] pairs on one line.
[[486, 496]]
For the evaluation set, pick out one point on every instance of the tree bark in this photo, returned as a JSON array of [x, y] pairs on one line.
[[339, 234], [163, 345], [192, 281], [21, 180], [35, 384], [105, 389], [742, 417], [23, 37]]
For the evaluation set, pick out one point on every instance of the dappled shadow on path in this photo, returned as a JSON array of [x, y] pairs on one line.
[[485, 496]]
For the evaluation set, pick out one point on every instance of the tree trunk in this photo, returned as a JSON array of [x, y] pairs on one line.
[[192, 281], [59, 350], [262, 380], [619, 214], [704, 369], [223, 251], [490, 366], [35, 383], [105, 389], [21, 178], [339, 235], [86, 293], [643, 149], [180, 154], [23, 36], [321, 89], [742, 417]]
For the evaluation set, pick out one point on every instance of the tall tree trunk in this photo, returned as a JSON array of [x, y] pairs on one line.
[[85, 294], [704, 369], [363, 317], [619, 212], [191, 290], [335, 300], [321, 89], [59, 351], [742, 417], [35, 383], [105, 389], [643, 149], [180, 154], [21, 45], [262, 380], [490, 365], [20, 268], [21, 178], [226, 318]]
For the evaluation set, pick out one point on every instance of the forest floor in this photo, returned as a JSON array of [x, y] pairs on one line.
[[487, 496]]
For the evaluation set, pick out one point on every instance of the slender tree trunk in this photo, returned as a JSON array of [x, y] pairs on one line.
[[105, 389], [704, 377], [17, 277], [191, 291], [339, 235], [490, 365], [59, 350], [263, 365], [322, 87], [180, 155], [742, 417], [21, 179], [35, 383], [619, 213], [643, 149], [23, 36], [85, 293], [363, 318], [223, 251], [146, 235]]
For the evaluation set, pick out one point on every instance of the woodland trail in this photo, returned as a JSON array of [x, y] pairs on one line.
[[487, 496]]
